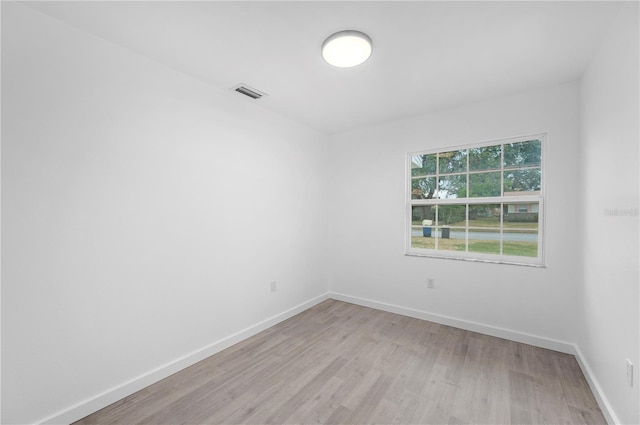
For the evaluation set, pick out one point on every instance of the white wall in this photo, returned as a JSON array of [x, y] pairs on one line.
[[609, 181], [367, 219], [144, 215]]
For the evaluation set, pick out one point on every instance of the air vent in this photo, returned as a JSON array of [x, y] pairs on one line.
[[249, 91]]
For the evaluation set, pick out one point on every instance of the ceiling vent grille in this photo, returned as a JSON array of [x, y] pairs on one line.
[[249, 91]]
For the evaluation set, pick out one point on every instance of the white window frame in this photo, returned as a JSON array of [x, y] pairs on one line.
[[525, 197]]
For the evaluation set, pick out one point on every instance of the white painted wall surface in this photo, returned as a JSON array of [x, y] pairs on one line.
[[609, 183], [144, 215], [367, 218]]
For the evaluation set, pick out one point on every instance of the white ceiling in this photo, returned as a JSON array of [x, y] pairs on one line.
[[427, 55]]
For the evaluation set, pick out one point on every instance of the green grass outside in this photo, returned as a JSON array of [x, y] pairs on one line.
[[522, 249]]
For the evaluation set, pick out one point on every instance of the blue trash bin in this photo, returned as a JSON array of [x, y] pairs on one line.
[[426, 228]]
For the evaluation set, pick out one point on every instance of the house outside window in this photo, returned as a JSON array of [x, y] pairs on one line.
[[480, 202]]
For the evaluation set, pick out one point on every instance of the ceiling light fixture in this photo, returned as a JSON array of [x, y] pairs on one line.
[[345, 49]]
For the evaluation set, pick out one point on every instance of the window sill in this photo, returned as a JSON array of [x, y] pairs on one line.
[[509, 261]]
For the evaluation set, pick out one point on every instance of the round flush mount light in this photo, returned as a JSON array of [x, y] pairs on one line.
[[345, 49]]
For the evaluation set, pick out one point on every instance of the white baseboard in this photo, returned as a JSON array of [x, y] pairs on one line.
[[603, 403], [538, 341], [112, 395]]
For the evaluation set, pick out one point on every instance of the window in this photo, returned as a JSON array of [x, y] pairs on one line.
[[481, 202]]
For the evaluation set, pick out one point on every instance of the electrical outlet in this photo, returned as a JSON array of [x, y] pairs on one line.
[[431, 283], [629, 373], [274, 286]]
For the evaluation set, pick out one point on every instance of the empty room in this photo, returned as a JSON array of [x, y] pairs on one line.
[[420, 212]]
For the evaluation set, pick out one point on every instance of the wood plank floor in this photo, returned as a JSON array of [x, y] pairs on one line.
[[338, 363]]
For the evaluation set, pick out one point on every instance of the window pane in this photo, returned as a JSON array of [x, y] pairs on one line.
[[521, 215], [422, 165], [521, 181], [420, 213], [452, 187], [423, 187], [451, 238], [520, 229], [484, 184], [522, 154], [484, 216], [520, 242], [421, 237], [486, 158], [423, 219], [484, 228], [486, 241], [452, 215], [453, 162]]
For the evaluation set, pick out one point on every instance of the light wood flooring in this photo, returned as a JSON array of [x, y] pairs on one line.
[[338, 363]]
